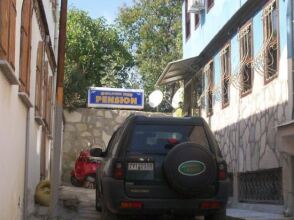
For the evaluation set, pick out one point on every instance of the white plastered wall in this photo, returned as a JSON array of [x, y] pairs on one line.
[[13, 115], [13, 124], [35, 128]]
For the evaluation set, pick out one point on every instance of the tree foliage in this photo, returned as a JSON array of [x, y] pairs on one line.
[[95, 56], [152, 30]]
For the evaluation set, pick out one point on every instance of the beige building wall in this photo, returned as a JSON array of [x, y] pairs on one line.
[[15, 118], [12, 141]]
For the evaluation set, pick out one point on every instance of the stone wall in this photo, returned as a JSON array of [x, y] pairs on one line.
[[251, 143], [84, 126]]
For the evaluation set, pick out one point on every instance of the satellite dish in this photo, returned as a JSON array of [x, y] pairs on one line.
[[155, 98], [178, 98]]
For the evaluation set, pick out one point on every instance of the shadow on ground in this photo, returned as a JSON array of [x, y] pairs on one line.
[[79, 204]]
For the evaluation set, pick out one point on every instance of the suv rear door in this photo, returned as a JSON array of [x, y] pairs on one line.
[[147, 149]]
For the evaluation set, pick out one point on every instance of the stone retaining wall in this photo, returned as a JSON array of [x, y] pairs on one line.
[[84, 126]]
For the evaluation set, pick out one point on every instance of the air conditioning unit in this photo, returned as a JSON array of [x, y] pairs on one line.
[[196, 6]]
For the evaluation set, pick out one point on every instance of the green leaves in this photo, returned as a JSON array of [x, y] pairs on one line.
[[145, 38], [95, 56], [152, 30]]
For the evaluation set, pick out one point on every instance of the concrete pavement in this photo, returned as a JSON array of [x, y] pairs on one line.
[[79, 204], [240, 214]]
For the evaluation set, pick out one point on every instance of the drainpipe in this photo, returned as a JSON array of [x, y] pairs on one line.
[[26, 173], [290, 28], [61, 52], [55, 47], [288, 167]]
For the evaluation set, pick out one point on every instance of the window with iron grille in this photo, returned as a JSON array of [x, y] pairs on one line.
[[25, 46], [246, 48], [7, 31], [263, 186], [209, 73], [226, 73], [270, 22], [188, 20]]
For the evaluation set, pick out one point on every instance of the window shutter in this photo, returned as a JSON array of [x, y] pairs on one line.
[[46, 66], [25, 47], [12, 23], [4, 13], [23, 60], [39, 71], [38, 95], [40, 55]]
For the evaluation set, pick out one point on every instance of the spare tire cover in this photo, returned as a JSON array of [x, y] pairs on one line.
[[190, 168]]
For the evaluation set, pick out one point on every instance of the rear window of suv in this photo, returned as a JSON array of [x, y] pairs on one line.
[[159, 139]]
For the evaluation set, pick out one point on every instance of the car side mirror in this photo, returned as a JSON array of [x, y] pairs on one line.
[[96, 152]]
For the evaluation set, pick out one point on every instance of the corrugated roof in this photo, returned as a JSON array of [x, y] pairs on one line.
[[178, 70]]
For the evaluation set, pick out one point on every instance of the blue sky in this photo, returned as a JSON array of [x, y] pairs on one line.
[[98, 8]]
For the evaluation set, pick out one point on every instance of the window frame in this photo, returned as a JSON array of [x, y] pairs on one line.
[[227, 72], [267, 78], [249, 59]]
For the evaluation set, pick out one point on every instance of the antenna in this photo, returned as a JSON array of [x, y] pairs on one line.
[[155, 98], [178, 98]]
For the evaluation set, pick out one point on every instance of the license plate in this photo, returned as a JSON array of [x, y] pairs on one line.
[[140, 166]]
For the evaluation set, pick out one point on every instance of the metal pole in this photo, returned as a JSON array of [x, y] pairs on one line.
[[290, 24], [56, 165], [58, 120], [61, 51], [26, 178]]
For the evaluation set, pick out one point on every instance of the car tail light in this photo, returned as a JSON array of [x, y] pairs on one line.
[[173, 141], [118, 171], [222, 171], [210, 205], [131, 205]]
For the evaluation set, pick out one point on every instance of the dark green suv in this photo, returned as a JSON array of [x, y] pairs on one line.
[[162, 165]]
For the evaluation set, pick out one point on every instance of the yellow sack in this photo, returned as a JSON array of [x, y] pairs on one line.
[[42, 194]]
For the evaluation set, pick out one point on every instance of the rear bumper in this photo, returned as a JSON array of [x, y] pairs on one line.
[[114, 194]]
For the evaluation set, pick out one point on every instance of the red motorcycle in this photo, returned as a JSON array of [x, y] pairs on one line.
[[84, 172]]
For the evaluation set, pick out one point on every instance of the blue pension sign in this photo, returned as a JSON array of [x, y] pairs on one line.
[[115, 98]]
